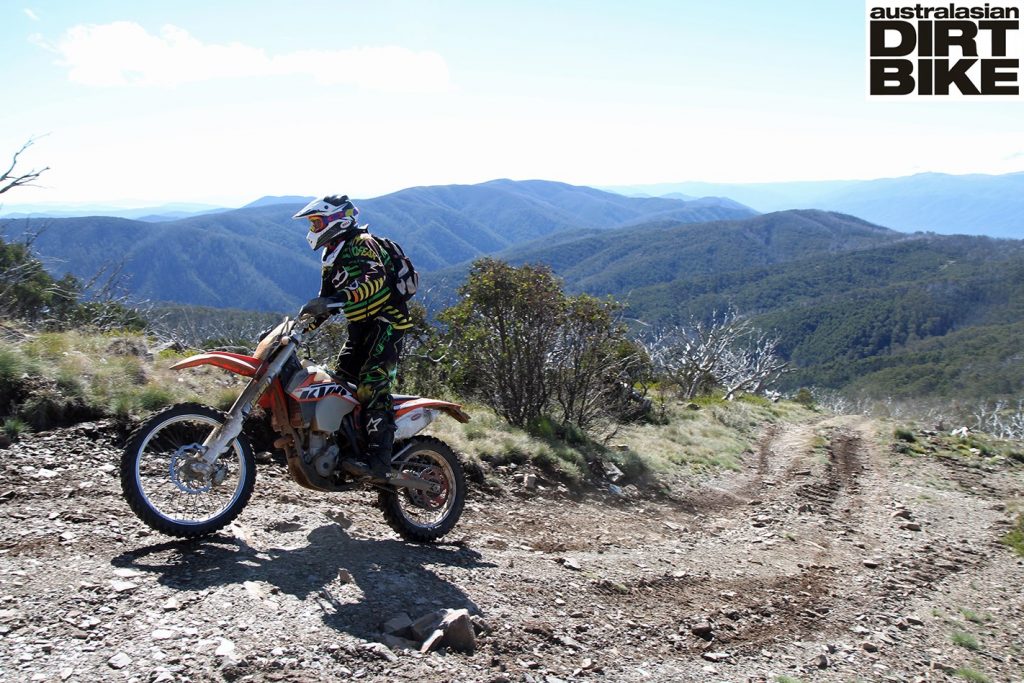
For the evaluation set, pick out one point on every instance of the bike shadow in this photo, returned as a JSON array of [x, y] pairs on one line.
[[384, 577]]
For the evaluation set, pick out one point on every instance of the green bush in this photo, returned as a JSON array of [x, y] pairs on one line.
[[14, 427], [804, 397], [154, 397], [969, 674], [1015, 539], [905, 435], [965, 640]]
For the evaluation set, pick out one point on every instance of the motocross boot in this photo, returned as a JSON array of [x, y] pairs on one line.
[[380, 437]]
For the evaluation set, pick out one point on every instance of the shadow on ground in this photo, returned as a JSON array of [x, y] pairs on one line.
[[387, 576]]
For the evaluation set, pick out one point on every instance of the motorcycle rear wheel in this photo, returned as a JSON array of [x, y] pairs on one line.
[[416, 515], [162, 477]]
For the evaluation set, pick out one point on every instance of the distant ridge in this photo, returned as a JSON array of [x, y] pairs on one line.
[[974, 204]]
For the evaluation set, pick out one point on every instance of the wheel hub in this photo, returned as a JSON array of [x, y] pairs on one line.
[[431, 500], [190, 473]]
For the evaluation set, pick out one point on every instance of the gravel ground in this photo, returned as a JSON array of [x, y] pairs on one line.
[[827, 557]]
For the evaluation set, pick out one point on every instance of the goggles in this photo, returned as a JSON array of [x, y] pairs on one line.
[[317, 223]]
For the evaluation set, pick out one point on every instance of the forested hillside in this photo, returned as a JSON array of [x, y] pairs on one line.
[[256, 257]]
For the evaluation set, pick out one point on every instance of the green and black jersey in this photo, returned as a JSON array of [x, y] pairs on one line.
[[361, 283]]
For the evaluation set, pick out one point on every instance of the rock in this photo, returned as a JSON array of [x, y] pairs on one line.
[[127, 573], [381, 650], [872, 563], [703, 630], [911, 526], [161, 675], [902, 514], [171, 604], [869, 646], [123, 586], [570, 563], [399, 625], [254, 589], [822, 662], [119, 661], [914, 621], [225, 649], [423, 627], [529, 481], [345, 576], [458, 631], [399, 643], [163, 634], [616, 491], [716, 656]]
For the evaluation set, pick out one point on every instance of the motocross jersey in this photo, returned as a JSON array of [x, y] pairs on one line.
[[359, 282]]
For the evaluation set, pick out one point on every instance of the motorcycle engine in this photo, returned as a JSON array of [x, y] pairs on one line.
[[323, 453]]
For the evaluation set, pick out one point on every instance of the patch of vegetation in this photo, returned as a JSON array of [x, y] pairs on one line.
[[973, 675], [1015, 539], [966, 640], [975, 617], [903, 434], [783, 678], [14, 427]]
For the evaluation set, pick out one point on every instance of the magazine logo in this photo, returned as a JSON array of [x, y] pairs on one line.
[[959, 50]]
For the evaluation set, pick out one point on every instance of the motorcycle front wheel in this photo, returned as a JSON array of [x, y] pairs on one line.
[[418, 515], [168, 485]]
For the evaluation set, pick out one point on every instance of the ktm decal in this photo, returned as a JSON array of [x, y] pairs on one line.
[[319, 391]]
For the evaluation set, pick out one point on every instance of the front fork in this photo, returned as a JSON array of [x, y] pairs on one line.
[[220, 437]]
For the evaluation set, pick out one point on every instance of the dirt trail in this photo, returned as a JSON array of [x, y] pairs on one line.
[[825, 558]]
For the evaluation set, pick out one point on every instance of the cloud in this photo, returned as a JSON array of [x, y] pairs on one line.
[[125, 54], [31, 15]]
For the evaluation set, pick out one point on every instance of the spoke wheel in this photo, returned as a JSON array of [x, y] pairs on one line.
[[170, 487], [420, 515]]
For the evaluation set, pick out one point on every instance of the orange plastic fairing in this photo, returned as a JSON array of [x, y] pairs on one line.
[[453, 409], [247, 366]]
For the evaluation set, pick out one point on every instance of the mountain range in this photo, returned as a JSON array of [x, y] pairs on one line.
[[257, 258], [975, 204]]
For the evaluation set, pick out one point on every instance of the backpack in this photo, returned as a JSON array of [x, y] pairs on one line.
[[406, 277]]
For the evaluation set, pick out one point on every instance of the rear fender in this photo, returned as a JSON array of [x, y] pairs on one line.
[[412, 414], [247, 366]]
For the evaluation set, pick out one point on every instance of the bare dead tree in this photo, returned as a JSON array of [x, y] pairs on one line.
[[11, 178], [727, 351], [1000, 419], [753, 365]]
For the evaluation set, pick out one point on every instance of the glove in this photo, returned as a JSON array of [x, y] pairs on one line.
[[315, 307]]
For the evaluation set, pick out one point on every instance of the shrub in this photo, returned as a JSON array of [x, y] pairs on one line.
[[1015, 539], [804, 397], [969, 674], [965, 640], [154, 397], [905, 435], [503, 332], [14, 427]]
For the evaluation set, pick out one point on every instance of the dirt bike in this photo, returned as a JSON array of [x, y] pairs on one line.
[[189, 470]]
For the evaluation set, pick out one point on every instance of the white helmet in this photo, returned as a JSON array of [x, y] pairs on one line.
[[328, 218]]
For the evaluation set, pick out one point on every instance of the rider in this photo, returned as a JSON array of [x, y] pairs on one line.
[[359, 280]]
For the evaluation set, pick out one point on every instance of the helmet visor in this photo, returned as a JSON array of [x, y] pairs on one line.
[[317, 223]]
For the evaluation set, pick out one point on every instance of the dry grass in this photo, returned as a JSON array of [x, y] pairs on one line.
[[712, 436], [102, 374]]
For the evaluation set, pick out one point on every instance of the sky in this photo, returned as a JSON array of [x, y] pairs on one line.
[[140, 104]]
